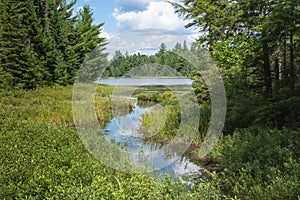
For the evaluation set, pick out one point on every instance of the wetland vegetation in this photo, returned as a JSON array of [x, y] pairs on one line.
[[255, 46], [43, 157]]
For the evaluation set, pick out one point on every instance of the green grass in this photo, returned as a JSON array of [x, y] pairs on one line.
[[40, 161], [169, 113], [42, 157]]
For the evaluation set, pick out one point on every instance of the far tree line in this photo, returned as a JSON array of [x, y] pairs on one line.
[[122, 63]]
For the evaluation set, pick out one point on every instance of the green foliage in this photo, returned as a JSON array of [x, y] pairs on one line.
[[89, 46], [122, 64], [19, 64], [255, 45], [250, 109], [259, 164], [279, 113], [42, 105], [41, 43]]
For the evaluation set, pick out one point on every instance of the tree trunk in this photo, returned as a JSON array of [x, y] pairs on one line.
[[292, 67], [266, 61], [277, 75], [266, 67], [276, 69], [47, 19], [284, 65]]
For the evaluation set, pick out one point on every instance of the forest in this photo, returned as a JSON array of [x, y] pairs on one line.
[[256, 47]]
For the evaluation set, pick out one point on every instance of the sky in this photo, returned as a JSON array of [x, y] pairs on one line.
[[121, 16], [125, 15]]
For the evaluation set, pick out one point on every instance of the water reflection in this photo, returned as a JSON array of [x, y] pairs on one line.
[[124, 130]]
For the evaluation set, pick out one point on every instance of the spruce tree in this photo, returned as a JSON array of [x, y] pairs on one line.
[[19, 61], [43, 43]]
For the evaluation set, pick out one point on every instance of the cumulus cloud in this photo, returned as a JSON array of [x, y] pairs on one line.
[[157, 14], [106, 35], [144, 28]]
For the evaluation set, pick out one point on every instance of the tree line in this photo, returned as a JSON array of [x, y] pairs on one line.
[[42, 42], [154, 65]]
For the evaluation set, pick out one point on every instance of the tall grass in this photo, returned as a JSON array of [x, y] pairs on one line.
[[43, 105], [42, 157]]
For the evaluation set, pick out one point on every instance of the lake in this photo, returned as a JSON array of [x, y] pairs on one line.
[[145, 81]]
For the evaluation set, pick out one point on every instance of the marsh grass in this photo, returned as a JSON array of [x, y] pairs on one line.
[[52, 105], [42, 157]]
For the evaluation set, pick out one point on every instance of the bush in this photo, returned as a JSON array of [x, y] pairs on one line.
[[259, 164]]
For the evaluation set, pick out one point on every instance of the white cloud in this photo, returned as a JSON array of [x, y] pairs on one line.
[[158, 14], [144, 30], [106, 35], [145, 41]]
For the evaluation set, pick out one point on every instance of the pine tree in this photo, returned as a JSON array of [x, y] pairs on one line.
[[42, 43], [19, 61], [88, 44]]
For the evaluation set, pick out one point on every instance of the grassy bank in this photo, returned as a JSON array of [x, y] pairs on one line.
[[42, 157], [251, 163], [161, 125]]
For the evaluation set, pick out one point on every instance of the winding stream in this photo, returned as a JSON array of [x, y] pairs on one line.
[[124, 130]]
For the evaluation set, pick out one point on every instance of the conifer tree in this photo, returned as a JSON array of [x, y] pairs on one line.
[[43, 43], [19, 61]]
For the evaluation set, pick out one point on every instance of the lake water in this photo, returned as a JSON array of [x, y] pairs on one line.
[[145, 81], [124, 130]]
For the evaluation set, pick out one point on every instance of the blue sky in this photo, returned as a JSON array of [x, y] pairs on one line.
[[102, 10], [139, 25], [125, 15]]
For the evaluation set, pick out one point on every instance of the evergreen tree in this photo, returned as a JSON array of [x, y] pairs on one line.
[[88, 40], [88, 34], [162, 48], [42, 43], [19, 61]]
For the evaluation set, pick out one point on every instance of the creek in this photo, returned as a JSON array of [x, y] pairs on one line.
[[125, 131]]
